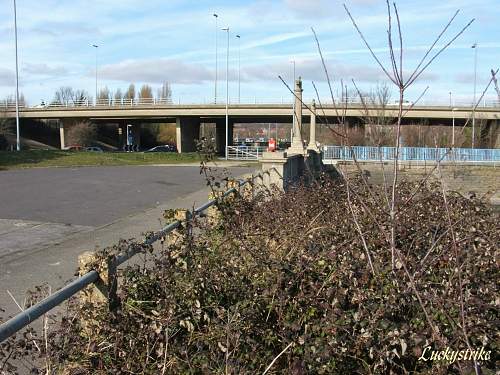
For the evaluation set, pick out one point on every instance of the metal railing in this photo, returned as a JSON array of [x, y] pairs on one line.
[[365, 153], [29, 315], [245, 152], [152, 102]]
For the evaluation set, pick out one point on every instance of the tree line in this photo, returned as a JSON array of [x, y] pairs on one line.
[[66, 95]]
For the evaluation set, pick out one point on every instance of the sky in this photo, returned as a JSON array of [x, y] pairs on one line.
[[149, 42]]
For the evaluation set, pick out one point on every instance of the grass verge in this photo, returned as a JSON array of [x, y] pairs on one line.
[[58, 158]]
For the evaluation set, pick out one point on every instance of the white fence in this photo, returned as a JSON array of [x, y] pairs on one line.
[[245, 152], [152, 102]]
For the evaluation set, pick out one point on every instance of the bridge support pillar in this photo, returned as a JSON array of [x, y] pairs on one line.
[[61, 135], [187, 132], [312, 129], [220, 135], [297, 147]]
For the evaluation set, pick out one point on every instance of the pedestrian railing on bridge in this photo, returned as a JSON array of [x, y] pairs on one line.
[[29, 315], [161, 102], [245, 152], [365, 153]]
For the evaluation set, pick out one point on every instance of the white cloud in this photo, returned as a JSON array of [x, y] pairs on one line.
[[44, 69], [156, 71], [322, 8], [7, 77]]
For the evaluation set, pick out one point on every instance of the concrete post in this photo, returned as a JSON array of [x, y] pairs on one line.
[[61, 135], [103, 292], [312, 129], [187, 132], [297, 147]]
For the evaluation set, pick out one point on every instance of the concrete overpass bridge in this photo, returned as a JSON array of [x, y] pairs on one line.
[[189, 117]]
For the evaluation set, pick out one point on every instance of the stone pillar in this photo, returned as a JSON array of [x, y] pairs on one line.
[[312, 129], [61, 134], [297, 146], [281, 170], [187, 132], [103, 291]]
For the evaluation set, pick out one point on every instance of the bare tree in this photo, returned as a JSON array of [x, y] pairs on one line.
[[64, 96], [130, 94], [495, 82], [82, 134], [81, 97], [146, 93], [67, 96], [165, 93], [118, 96], [104, 96]]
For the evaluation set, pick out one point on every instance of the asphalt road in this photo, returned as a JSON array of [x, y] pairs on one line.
[[92, 196], [49, 216]]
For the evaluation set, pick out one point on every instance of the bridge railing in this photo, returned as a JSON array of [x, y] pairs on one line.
[[365, 153], [29, 315], [153, 102], [245, 152]]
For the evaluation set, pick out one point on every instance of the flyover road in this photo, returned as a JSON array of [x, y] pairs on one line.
[[48, 216]]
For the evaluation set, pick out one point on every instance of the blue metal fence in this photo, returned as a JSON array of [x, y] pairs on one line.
[[365, 153]]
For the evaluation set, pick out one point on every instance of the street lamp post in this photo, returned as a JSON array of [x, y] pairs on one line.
[[216, 57], [453, 128], [18, 138], [474, 46], [293, 117], [226, 29], [450, 99], [95, 46], [239, 68]]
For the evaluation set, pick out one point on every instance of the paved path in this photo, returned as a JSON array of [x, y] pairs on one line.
[[79, 210]]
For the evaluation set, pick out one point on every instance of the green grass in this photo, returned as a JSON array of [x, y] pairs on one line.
[[57, 158]]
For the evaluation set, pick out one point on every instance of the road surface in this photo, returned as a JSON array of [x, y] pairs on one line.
[[48, 216]]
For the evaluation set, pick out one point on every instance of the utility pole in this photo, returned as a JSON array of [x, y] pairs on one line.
[[95, 46], [239, 68], [474, 46], [293, 116], [18, 137], [216, 57], [227, 90]]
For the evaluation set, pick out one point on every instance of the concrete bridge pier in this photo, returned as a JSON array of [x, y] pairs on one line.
[[220, 135], [187, 132], [61, 135]]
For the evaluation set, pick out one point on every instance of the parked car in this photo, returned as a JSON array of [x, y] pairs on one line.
[[162, 148], [94, 149]]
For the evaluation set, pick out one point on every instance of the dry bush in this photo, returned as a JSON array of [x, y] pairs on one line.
[[424, 135], [166, 134], [231, 298], [82, 133]]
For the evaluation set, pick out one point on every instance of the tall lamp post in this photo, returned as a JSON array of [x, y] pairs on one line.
[[96, 47], [474, 46], [239, 68], [293, 85], [453, 128], [216, 57], [226, 29], [18, 139], [450, 99]]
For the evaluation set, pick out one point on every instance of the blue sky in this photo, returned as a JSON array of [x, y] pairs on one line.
[[157, 40]]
